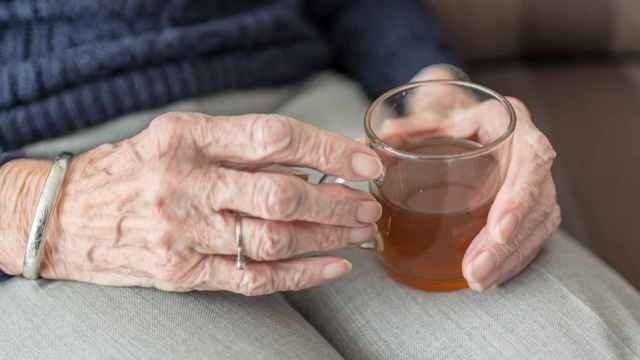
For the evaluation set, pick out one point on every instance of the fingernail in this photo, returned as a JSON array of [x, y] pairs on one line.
[[361, 234], [336, 269], [366, 166], [369, 212], [475, 286], [505, 228], [481, 267]]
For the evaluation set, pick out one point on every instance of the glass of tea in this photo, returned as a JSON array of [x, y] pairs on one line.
[[445, 146]]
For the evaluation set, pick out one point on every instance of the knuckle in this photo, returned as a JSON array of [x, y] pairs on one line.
[[281, 196], [163, 240], [556, 218], [535, 218], [500, 251], [542, 149], [216, 187], [169, 267], [546, 213], [299, 279], [341, 207], [106, 147], [179, 273], [254, 283], [167, 123], [161, 237], [527, 195], [504, 250], [543, 211], [199, 276], [271, 134], [325, 153], [274, 242], [162, 135], [160, 209], [159, 181], [336, 237], [520, 255], [338, 210], [159, 200]]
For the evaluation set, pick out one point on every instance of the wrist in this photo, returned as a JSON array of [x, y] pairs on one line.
[[21, 182]]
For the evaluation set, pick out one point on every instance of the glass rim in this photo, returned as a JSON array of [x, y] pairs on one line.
[[484, 149]]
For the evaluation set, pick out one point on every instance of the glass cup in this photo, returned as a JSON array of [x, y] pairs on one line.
[[445, 147]]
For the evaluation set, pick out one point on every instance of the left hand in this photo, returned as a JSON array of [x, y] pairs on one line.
[[525, 211]]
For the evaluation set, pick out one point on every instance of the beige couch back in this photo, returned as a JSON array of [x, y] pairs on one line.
[[489, 29]]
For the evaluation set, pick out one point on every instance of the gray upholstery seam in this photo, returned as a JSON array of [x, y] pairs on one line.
[[308, 321], [585, 305]]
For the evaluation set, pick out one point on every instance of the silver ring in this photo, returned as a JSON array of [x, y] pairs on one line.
[[241, 261]]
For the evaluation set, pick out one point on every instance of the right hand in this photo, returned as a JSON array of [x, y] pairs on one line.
[[156, 210], [525, 211]]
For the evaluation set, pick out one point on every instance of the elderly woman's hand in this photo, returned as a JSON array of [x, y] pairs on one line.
[[157, 210], [525, 211]]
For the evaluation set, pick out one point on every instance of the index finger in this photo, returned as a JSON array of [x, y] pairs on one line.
[[266, 139]]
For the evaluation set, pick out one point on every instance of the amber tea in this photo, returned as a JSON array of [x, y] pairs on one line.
[[432, 211]]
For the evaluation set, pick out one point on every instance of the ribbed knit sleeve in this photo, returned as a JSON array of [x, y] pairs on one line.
[[68, 65], [381, 43], [5, 157]]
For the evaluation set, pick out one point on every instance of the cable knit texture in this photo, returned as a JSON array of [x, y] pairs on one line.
[[69, 64]]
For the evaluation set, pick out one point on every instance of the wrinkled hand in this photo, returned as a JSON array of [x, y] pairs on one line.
[[525, 211], [157, 210]]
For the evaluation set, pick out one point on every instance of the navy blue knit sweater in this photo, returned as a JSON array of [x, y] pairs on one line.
[[69, 64]]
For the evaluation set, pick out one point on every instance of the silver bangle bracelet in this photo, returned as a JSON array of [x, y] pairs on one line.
[[46, 203]]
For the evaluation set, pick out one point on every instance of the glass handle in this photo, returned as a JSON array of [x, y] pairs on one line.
[[376, 244], [330, 179], [379, 180]]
